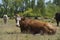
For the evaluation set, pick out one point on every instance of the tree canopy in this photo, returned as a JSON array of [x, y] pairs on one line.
[[29, 7]]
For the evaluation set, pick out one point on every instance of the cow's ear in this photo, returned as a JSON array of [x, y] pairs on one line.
[[23, 18]]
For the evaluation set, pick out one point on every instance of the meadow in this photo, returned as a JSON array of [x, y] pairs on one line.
[[9, 31]]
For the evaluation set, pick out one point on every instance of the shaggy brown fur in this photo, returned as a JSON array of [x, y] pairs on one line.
[[36, 26]]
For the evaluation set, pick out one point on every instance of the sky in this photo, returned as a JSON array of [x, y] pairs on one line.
[[46, 0], [0, 1]]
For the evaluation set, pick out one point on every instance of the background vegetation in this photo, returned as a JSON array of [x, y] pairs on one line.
[[29, 8]]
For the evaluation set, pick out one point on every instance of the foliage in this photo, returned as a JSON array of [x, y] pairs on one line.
[[57, 2], [28, 12], [28, 8], [50, 9]]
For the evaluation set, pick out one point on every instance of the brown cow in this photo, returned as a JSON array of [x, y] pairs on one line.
[[36, 26]]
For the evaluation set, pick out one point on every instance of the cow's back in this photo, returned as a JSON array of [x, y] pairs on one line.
[[57, 16]]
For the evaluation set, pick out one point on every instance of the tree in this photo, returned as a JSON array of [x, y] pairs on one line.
[[57, 3], [11, 6], [41, 7], [50, 9]]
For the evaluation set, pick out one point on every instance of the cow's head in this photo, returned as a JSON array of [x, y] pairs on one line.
[[18, 20]]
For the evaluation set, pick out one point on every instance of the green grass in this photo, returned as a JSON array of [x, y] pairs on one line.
[[10, 32]]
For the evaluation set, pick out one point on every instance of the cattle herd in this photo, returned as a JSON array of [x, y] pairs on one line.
[[34, 26]]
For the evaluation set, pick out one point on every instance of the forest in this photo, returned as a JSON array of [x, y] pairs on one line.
[[29, 8]]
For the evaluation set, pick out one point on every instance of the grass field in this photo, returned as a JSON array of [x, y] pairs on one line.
[[10, 32]]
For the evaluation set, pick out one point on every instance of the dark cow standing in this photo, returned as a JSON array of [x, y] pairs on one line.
[[57, 18]]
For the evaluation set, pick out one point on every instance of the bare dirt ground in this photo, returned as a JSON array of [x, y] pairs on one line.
[[9, 31]]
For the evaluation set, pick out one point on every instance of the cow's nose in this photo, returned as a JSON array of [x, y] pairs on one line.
[[17, 25]]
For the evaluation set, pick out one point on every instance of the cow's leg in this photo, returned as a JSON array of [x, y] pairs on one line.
[[28, 29], [35, 31], [5, 21], [51, 32], [44, 30], [22, 28], [57, 23]]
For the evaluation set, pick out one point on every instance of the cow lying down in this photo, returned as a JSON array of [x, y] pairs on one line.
[[36, 26]]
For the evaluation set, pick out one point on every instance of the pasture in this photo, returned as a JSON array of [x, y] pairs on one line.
[[9, 31]]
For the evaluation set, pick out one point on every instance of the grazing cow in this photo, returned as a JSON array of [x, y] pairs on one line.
[[57, 18], [5, 18], [36, 26]]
